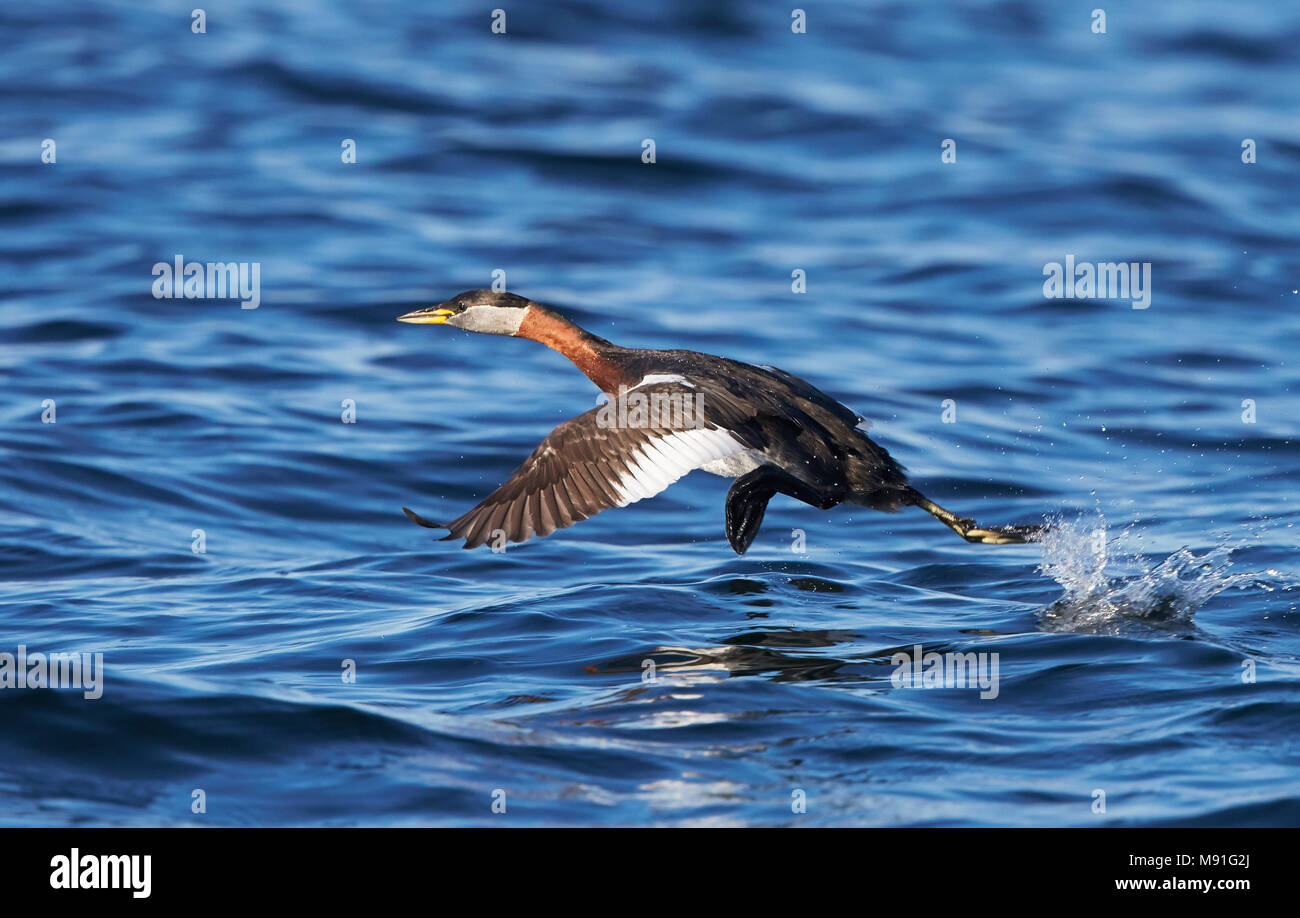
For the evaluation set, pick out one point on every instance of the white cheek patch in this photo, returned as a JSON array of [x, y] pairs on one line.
[[491, 320]]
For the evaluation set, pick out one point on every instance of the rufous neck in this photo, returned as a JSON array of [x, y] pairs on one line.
[[594, 356]]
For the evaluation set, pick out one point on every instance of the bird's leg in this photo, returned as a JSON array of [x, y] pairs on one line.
[[968, 530], [748, 497]]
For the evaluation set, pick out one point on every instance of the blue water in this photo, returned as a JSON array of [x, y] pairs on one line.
[[1123, 640]]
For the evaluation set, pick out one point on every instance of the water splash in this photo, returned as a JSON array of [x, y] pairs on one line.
[[1109, 586]]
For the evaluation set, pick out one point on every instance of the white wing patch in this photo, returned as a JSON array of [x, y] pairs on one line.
[[663, 460], [653, 378]]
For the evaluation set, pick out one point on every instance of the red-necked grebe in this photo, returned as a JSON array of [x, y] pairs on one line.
[[769, 430]]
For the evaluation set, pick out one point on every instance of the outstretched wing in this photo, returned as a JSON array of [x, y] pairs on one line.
[[608, 457]]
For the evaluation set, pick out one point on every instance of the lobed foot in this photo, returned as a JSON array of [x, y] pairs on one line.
[[1001, 535]]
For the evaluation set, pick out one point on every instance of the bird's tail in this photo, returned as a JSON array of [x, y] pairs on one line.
[[969, 530]]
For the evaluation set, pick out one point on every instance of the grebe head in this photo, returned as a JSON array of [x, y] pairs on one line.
[[485, 311]]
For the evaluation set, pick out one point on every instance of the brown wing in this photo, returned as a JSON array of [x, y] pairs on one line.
[[604, 458]]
